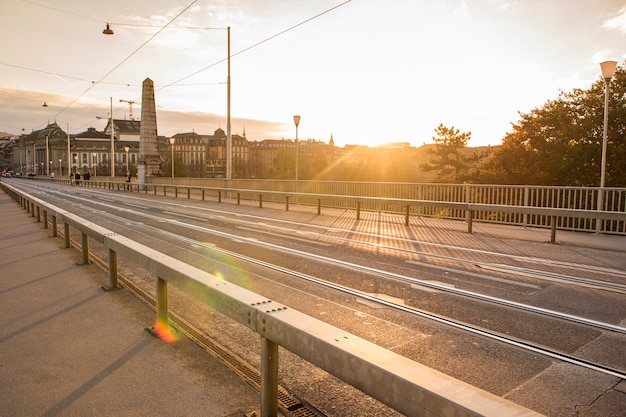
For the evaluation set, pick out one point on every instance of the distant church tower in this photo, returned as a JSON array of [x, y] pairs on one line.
[[150, 161], [331, 142]]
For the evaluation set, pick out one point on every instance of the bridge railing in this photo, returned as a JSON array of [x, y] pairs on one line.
[[399, 382], [557, 208]]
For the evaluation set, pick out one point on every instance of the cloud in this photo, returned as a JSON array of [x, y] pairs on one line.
[[23, 112], [618, 22]]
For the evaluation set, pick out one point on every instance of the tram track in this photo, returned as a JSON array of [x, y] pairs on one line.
[[532, 347], [259, 221], [475, 330]]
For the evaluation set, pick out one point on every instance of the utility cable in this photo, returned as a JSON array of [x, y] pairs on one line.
[[256, 44], [125, 59]]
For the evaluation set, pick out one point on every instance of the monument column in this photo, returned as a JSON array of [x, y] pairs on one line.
[[150, 161]]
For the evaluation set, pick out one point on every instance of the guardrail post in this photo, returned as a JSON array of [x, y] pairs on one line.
[[54, 226], [164, 191], [260, 200], [162, 308], [85, 248], [203, 194], [175, 192], [219, 196], [45, 219], [269, 378], [319, 206], [67, 235], [112, 271], [406, 215], [469, 217], [38, 210], [553, 229], [188, 193], [238, 199], [287, 203], [358, 210]]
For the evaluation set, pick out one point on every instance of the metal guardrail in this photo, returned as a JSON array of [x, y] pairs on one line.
[[551, 217], [405, 385]]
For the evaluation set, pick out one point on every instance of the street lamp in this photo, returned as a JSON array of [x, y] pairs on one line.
[[60, 167], [172, 140], [296, 120], [608, 69], [229, 139], [94, 163]]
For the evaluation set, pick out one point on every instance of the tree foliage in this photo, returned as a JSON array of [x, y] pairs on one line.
[[561, 142], [447, 157]]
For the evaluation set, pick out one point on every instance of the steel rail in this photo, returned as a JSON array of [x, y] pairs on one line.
[[375, 271], [525, 345]]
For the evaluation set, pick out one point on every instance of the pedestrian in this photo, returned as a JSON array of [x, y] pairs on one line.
[[52, 174], [127, 180], [72, 178], [87, 176], [77, 178]]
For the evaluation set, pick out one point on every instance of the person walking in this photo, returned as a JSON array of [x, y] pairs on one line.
[[87, 175], [77, 178], [127, 180]]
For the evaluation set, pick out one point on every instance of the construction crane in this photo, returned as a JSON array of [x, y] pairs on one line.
[[130, 103]]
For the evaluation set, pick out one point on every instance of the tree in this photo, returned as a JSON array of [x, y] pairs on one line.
[[561, 142], [448, 158]]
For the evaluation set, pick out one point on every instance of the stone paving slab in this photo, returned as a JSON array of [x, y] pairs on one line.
[[68, 348]]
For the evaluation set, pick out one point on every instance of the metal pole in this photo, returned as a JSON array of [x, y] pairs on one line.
[[112, 142], [604, 143], [296, 120], [47, 157], [269, 378], [69, 169], [229, 139]]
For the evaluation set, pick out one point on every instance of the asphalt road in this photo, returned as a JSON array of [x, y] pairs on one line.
[[500, 279]]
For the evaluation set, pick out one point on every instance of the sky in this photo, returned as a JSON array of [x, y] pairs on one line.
[[366, 72]]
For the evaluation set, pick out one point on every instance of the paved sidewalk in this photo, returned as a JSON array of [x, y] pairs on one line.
[[68, 348]]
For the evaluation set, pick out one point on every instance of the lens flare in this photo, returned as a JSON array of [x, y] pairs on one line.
[[165, 332]]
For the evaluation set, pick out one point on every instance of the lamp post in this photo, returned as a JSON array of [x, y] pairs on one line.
[[47, 157], [608, 69], [112, 142], [69, 164], [172, 140], [229, 139], [94, 163], [126, 149], [60, 167], [296, 120]]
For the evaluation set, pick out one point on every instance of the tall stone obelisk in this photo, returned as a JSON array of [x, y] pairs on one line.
[[150, 161]]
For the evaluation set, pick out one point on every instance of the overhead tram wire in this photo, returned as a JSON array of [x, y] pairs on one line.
[[255, 45], [126, 59], [168, 25]]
